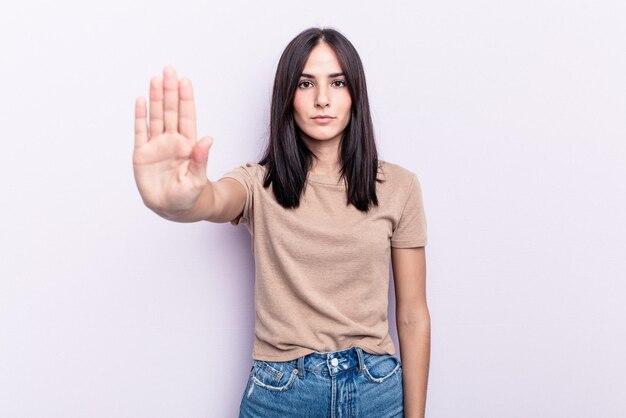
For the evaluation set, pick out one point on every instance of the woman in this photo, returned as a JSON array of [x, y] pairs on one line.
[[326, 217]]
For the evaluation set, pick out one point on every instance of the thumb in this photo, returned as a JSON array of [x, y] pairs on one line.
[[199, 157]]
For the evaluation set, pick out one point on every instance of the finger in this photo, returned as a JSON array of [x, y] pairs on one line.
[[170, 100], [187, 115], [141, 125], [156, 106], [199, 157]]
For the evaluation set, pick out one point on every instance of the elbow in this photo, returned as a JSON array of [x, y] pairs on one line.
[[416, 319]]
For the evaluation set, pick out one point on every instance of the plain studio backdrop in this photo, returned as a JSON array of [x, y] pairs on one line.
[[512, 114]]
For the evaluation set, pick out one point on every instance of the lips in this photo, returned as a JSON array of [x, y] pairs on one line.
[[322, 120]]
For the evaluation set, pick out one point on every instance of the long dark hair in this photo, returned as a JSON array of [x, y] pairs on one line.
[[287, 159]]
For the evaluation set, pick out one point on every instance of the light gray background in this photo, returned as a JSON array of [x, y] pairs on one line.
[[511, 113]]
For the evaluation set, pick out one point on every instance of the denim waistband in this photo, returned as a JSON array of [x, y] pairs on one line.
[[330, 363]]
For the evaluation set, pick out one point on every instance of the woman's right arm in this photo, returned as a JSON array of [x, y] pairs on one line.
[[169, 164]]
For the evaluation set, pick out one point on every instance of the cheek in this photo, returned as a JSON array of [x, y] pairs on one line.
[[348, 107], [298, 104]]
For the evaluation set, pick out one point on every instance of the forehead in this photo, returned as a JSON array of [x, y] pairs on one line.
[[322, 61]]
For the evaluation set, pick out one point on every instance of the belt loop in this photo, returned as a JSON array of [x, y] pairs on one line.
[[359, 354], [301, 367]]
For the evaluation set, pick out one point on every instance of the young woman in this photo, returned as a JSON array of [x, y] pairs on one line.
[[326, 217]]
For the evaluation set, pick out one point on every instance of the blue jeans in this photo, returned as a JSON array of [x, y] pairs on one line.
[[340, 384]]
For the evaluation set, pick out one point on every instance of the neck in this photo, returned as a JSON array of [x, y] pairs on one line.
[[325, 156]]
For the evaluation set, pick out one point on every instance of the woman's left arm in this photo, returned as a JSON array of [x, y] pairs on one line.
[[413, 324]]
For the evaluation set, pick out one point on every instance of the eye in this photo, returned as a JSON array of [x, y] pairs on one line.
[[300, 84], [342, 83]]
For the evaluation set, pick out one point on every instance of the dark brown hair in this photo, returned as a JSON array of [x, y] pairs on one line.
[[287, 159]]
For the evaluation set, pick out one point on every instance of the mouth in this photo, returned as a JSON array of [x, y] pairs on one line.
[[322, 120]]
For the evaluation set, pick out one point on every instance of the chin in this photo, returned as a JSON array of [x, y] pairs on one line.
[[322, 137]]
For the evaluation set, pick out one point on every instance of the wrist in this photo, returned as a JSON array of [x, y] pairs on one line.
[[197, 210]]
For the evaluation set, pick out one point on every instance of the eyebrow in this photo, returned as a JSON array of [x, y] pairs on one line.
[[313, 77]]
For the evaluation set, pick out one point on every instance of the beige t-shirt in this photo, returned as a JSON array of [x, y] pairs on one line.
[[322, 269]]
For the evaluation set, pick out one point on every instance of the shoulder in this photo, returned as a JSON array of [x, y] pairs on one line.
[[253, 167], [249, 174], [250, 168], [395, 174]]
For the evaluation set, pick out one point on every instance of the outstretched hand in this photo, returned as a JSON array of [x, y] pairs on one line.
[[168, 163]]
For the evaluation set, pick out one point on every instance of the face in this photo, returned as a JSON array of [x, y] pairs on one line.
[[322, 91]]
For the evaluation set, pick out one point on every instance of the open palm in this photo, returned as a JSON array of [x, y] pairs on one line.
[[169, 163]]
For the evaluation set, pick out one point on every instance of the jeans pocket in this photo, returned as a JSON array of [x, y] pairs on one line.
[[277, 376], [380, 367]]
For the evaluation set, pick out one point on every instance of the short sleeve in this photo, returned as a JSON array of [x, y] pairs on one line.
[[245, 175], [411, 228]]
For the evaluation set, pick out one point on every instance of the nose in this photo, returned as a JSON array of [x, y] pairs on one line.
[[322, 98]]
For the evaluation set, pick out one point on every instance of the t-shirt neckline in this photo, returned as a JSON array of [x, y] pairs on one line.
[[324, 179]]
